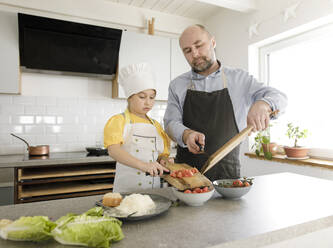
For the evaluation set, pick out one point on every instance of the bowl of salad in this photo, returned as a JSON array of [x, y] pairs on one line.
[[233, 188]]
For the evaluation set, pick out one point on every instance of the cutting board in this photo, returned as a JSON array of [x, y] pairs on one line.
[[196, 181], [229, 146]]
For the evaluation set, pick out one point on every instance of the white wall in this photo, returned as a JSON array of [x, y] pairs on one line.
[[99, 12], [230, 29]]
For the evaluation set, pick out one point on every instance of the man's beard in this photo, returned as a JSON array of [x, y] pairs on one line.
[[207, 63]]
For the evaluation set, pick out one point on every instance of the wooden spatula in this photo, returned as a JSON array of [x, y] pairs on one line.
[[228, 147]]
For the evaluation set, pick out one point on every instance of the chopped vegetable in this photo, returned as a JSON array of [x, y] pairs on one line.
[[197, 190], [184, 173], [26, 228]]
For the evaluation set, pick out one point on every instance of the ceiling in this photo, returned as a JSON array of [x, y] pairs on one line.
[[194, 9]]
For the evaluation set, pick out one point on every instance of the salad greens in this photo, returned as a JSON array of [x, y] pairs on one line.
[[37, 228], [88, 229]]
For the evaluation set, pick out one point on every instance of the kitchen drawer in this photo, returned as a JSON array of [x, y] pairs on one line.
[[62, 181], [63, 171]]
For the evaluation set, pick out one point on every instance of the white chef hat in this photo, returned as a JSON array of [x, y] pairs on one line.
[[136, 78]]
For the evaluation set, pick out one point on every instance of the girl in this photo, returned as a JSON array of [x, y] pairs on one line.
[[133, 139]]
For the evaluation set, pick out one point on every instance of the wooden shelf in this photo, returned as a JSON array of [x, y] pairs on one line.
[[65, 179], [63, 196], [60, 188], [39, 173], [282, 159]]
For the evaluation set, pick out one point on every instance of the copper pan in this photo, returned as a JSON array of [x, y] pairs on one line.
[[35, 150]]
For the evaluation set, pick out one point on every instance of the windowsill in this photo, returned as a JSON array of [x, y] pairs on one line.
[[282, 159]]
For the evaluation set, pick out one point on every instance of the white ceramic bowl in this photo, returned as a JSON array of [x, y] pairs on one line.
[[193, 199], [234, 192]]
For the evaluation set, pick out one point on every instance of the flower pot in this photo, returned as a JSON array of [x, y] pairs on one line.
[[271, 147], [296, 152]]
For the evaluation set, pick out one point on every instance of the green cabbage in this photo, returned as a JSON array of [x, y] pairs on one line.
[[88, 229], [36, 228]]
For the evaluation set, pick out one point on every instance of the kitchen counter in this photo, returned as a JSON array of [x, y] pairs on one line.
[[23, 160], [278, 207]]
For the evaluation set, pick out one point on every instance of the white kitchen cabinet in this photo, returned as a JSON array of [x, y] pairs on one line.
[[138, 48], [179, 64], [9, 51]]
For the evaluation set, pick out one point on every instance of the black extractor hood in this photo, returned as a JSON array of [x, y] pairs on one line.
[[56, 45]]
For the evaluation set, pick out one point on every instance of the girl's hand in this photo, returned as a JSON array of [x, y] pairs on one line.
[[155, 169], [169, 159], [162, 160]]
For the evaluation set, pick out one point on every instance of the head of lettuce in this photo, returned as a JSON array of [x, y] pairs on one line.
[[36, 228], [88, 229]]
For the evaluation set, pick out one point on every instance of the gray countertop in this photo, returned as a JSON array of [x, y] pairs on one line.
[[279, 206], [60, 158]]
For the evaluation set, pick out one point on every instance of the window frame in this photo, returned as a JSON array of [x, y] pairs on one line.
[[262, 64]]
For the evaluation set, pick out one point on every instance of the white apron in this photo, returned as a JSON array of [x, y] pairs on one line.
[[142, 141]]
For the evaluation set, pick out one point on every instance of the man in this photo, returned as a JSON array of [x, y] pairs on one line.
[[208, 105]]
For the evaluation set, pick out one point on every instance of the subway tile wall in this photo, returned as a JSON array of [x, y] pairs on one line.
[[65, 123]]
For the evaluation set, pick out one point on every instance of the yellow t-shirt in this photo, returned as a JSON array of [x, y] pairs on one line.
[[114, 128]]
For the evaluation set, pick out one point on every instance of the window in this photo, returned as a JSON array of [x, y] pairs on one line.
[[302, 67]]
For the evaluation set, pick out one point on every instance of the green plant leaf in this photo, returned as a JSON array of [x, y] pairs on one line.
[[265, 139], [257, 152], [268, 155]]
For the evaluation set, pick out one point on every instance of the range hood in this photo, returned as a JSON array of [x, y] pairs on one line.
[[67, 47]]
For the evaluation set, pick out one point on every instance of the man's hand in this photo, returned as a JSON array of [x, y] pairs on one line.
[[192, 138], [258, 116]]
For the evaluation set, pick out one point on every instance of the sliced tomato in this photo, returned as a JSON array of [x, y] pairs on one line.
[[188, 191], [205, 189], [188, 173], [173, 174], [194, 170], [197, 190], [179, 174]]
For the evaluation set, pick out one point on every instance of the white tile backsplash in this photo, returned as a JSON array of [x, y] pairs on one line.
[[65, 123], [66, 101], [31, 139], [12, 109], [23, 119], [5, 99], [5, 119], [27, 100], [46, 119], [8, 128], [46, 139], [34, 129], [46, 100], [5, 139], [34, 109], [67, 138], [56, 110]]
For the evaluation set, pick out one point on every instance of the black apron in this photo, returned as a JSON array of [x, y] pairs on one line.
[[212, 114]]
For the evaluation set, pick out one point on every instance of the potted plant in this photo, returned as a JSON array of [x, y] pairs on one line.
[[295, 134], [263, 145]]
